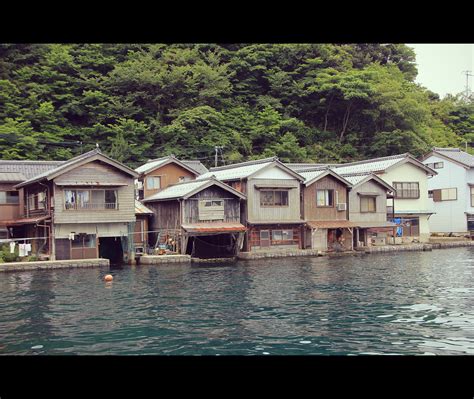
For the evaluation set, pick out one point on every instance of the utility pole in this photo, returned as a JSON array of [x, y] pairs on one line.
[[467, 92], [216, 148]]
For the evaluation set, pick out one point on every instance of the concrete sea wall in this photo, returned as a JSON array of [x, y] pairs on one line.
[[54, 264]]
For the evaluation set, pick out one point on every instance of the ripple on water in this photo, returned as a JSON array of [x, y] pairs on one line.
[[415, 303]]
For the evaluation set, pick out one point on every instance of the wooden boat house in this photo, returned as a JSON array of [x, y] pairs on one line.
[[84, 207], [199, 218], [272, 212], [325, 209]]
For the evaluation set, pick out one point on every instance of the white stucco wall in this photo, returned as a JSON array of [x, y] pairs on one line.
[[450, 215], [408, 172]]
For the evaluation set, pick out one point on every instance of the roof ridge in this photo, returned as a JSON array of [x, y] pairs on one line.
[[314, 169], [159, 159], [447, 149], [246, 163]]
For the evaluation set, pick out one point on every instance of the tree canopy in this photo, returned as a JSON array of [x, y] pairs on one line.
[[300, 102]]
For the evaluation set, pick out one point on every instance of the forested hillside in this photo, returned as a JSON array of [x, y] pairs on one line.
[[301, 102]]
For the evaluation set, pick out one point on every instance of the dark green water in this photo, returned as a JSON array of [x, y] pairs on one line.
[[405, 303]]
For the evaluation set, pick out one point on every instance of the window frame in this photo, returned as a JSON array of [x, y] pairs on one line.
[[273, 204], [75, 207], [401, 190], [368, 197], [8, 195], [331, 197], [150, 178]]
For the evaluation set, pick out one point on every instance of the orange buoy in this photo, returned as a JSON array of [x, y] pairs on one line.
[[108, 277]]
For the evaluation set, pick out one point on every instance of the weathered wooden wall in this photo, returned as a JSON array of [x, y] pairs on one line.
[[97, 173], [313, 212], [231, 205], [169, 174], [256, 213], [380, 214], [166, 214]]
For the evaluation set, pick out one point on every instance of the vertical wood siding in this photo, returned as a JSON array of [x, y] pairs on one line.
[[255, 212], [312, 212]]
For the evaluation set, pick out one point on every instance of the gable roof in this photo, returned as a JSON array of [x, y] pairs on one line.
[[313, 175], [358, 179], [141, 209], [87, 157], [153, 164], [381, 164], [27, 168], [452, 154], [189, 188], [245, 170]]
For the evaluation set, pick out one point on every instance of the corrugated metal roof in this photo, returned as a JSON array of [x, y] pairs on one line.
[[330, 224], [457, 155], [27, 168], [177, 190], [17, 222], [13, 177], [141, 209], [213, 227]]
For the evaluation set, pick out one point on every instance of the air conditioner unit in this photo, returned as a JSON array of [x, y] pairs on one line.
[[342, 207]]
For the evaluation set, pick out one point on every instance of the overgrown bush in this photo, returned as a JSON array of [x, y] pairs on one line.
[[6, 256]]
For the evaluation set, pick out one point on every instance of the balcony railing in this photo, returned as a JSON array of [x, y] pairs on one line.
[[88, 206]]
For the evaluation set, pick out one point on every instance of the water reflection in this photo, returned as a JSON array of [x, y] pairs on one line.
[[407, 303]]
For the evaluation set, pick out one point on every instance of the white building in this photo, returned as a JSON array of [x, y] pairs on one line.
[[452, 190], [411, 208]]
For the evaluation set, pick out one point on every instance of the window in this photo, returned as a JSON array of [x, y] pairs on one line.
[[406, 189], [282, 235], [211, 210], [430, 193], [153, 182], [324, 197], [90, 199], [445, 194], [9, 197], [273, 198], [212, 203], [438, 165], [367, 204], [184, 178], [84, 241], [472, 196]]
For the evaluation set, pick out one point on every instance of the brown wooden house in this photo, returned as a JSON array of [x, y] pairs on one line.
[[157, 174], [325, 209], [272, 210], [85, 207], [200, 218]]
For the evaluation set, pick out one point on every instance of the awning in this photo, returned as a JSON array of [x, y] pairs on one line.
[[275, 186], [17, 222], [375, 224], [283, 222], [217, 227], [331, 224], [91, 183]]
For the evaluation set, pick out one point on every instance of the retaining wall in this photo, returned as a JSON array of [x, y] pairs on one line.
[[162, 259], [52, 264]]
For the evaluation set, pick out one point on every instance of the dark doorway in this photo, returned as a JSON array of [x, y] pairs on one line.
[[111, 248], [214, 246]]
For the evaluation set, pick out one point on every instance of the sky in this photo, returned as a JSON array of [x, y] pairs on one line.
[[441, 66]]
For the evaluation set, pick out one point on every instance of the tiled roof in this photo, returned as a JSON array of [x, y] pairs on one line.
[[302, 166], [457, 155], [196, 166], [238, 170], [369, 165], [13, 177], [72, 161], [28, 169]]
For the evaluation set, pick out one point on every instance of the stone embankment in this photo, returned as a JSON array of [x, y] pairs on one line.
[[52, 264], [162, 259]]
